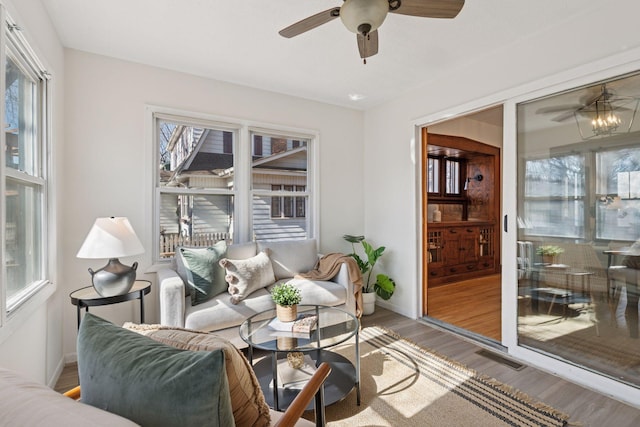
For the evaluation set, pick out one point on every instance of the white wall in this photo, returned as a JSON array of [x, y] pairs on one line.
[[31, 342], [107, 173]]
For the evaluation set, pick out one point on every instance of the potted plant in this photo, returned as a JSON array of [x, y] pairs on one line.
[[287, 297], [549, 253], [383, 286]]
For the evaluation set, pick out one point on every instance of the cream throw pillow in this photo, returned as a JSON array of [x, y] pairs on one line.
[[245, 276], [247, 401]]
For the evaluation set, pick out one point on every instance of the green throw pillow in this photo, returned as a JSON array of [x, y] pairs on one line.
[[205, 277], [150, 383]]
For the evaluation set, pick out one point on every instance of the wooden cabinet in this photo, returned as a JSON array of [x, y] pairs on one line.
[[460, 250]]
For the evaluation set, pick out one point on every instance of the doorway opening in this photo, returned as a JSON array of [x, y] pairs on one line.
[[461, 184]]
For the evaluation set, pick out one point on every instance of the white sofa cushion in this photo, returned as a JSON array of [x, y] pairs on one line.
[[242, 250], [289, 258], [319, 292], [220, 313]]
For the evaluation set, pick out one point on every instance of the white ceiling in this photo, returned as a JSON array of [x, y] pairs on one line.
[[238, 41]]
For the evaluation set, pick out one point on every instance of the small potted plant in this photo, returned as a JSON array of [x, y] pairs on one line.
[[287, 297], [549, 253], [383, 286]]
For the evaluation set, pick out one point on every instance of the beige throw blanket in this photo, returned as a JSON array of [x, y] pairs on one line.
[[329, 265]]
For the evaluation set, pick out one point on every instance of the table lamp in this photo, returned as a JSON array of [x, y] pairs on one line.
[[112, 238]]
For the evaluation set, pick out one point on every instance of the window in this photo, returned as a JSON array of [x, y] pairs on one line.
[[195, 183], [444, 181], [24, 169], [618, 194], [215, 179], [288, 207], [452, 177], [433, 175], [554, 196], [280, 183]]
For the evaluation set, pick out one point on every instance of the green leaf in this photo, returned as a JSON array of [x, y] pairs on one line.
[[353, 239], [363, 266], [371, 253], [384, 286]]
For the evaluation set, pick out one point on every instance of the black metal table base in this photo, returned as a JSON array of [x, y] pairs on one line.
[[339, 383]]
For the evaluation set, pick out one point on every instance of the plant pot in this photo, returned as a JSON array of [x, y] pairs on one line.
[[549, 259], [369, 303], [286, 313], [286, 343]]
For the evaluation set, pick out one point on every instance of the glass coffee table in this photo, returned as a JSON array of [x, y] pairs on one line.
[[334, 326]]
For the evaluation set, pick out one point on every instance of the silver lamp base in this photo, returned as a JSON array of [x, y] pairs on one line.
[[114, 278]]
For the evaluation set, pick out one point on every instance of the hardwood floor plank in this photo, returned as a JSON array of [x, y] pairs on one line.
[[584, 406], [474, 305]]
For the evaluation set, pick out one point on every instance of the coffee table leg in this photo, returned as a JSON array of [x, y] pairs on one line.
[[358, 365], [320, 422], [274, 370]]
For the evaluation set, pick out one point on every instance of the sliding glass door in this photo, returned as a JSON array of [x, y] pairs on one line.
[[578, 205]]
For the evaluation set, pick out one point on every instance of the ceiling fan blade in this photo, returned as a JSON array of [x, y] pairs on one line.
[[430, 8], [368, 45], [559, 108], [564, 116], [310, 23]]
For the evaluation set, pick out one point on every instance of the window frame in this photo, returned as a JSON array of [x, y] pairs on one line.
[[441, 187], [243, 193], [280, 201], [15, 46], [584, 199]]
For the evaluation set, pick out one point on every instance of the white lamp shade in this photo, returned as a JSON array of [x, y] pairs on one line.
[[111, 238], [357, 12]]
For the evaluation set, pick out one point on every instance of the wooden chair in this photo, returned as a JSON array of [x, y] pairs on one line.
[[294, 412]]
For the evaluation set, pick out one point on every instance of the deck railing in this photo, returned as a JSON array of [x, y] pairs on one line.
[[170, 241]]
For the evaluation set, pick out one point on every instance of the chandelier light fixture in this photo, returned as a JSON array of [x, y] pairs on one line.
[[606, 121], [607, 115]]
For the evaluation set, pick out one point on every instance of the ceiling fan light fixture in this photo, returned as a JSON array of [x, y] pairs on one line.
[[364, 16], [605, 121]]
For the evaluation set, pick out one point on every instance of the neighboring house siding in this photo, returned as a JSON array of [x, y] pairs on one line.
[[168, 218], [213, 142], [266, 228], [263, 182], [207, 181], [210, 214]]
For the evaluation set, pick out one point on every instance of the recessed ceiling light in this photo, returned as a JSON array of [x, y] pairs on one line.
[[356, 96]]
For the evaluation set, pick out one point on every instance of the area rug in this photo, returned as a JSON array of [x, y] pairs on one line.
[[405, 385]]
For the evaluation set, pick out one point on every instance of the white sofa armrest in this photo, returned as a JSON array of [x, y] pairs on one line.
[[172, 298], [342, 278]]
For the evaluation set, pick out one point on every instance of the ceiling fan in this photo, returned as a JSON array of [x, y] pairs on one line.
[[590, 104], [364, 17]]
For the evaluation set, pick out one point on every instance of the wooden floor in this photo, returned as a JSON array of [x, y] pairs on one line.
[[474, 305], [586, 407]]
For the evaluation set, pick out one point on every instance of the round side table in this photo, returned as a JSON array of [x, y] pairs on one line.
[[88, 297]]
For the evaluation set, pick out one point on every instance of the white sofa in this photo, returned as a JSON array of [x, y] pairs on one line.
[[288, 258]]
